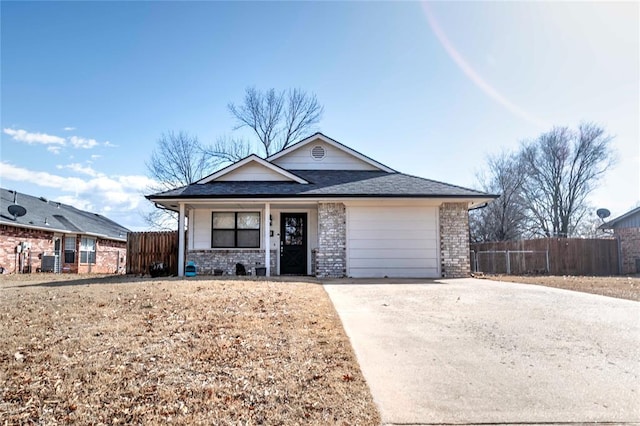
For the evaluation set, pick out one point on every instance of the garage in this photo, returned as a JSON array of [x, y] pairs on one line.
[[397, 242]]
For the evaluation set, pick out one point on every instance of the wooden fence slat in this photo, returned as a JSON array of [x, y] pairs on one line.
[[146, 248], [567, 256]]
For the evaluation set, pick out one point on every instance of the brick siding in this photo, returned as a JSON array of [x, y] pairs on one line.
[[454, 240], [630, 248], [330, 257], [111, 257], [42, 243], [208, 260], [11, 236]]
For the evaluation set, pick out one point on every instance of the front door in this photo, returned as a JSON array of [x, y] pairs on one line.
[[293, 243], [57, 251]]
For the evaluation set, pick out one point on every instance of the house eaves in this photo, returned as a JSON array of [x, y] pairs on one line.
[[252, 158], [615, 222]]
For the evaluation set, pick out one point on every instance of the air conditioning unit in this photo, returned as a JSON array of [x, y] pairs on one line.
[[48, 264]]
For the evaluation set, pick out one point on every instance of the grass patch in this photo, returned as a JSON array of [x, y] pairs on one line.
[[621, 287], [141, 351]]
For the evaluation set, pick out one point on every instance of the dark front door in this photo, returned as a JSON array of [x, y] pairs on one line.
[[293, 243]]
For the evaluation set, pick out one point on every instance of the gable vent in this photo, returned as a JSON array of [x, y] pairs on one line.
[[318, 152]]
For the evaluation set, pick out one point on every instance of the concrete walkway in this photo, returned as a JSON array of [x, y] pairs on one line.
[[471, 351]]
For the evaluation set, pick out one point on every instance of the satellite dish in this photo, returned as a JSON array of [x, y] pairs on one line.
[[603, 213], [16, 210]]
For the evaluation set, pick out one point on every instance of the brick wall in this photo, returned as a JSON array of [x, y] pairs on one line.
[[42, 243], [11, 236], [454, 240], [108, 254], [630, 248], [208, 260], [330, 257]]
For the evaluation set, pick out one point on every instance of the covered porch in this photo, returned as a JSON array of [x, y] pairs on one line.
[[270, 237]]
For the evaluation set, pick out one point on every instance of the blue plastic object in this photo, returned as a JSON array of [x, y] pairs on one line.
[[190, 269]]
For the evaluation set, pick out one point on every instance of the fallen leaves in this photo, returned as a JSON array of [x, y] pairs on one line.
[[213, 352]]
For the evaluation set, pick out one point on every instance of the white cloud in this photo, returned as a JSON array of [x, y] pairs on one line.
[[79, 142], [121, 193], [79, 168], [31, 138], [55, 142], [76, 202], [95, 156], [69, 129]]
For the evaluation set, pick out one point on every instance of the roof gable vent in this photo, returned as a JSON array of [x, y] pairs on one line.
[[318, 152]]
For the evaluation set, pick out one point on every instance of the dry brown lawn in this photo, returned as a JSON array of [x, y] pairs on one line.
[[114, 350], [622, 287]]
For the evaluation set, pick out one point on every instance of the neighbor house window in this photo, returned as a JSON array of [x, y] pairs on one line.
[[235, 230], [69, 249], [87, 250]]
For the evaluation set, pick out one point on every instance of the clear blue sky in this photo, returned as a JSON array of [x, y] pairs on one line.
[[428, 89]]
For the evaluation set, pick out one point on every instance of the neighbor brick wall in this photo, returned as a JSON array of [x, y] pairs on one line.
[[630, 248], [42, 244], [11, 236], [454, 240], [107, 253], [208, 260], [331, 255]]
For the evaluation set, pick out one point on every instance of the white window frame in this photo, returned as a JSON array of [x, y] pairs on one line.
[[88, 249], [236, 229], [65, 248]]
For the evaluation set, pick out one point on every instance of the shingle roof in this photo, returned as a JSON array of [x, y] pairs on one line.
[[58, 217], [630, 219], [328, 183]]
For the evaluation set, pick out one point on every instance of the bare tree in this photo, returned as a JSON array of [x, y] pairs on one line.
[[276, 118], [228, 150], [504, 218], [177, 160], [562, 168], [589, 227]]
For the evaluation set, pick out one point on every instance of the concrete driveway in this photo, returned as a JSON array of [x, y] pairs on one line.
[[470, 351]]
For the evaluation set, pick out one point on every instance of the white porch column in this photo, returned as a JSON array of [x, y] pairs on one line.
[[267, 238], [181, 240]]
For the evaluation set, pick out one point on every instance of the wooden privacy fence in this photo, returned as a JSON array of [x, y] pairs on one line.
[[146, 248], [555, 256]]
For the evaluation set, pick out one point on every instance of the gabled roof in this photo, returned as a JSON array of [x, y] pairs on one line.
[[248, 160], [333, 143], [630, 219], [328, 183], [57, 217]]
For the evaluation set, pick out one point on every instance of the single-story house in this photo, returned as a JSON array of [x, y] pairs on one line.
[[37, 234], [626, 228], [321, 208]]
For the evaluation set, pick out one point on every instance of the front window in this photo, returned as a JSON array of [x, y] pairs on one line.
[[69, 249], [235, 230], [88, 250]]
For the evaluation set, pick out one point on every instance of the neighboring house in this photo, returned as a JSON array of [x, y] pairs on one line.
[[323, 209], [54, 237], [626, 228]]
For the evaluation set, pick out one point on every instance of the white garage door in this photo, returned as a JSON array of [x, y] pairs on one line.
[[392, 241]]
